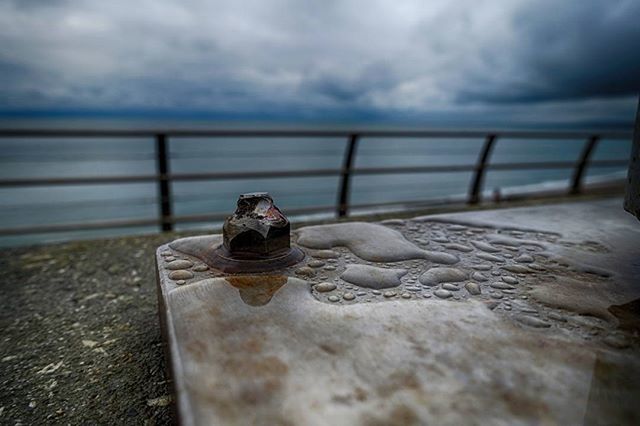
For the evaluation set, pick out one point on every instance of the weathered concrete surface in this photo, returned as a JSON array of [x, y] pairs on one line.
[[80, 341], [535, 322]]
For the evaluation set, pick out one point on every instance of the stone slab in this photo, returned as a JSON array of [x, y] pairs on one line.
[[515, 316]]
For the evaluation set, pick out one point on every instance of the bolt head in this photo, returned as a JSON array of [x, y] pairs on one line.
[[257, 229]]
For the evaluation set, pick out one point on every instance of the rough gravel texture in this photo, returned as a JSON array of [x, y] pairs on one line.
[[80, 335]]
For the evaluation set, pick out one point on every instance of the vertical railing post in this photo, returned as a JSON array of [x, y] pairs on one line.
[[342, 206], [581, 164], [164, 185], [478, 177]]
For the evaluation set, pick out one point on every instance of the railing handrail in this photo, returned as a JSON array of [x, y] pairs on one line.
[[163, 176], [274, 174], [309, 133]]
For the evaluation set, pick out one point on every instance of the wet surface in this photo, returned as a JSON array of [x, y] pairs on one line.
[[541, 297], [257, 290]]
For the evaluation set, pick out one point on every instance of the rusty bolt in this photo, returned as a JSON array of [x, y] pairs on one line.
[[257, 229]]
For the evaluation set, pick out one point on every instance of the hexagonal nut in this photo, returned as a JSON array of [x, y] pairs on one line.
[[257, 229]]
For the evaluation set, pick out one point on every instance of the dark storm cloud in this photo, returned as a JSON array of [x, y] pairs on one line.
[[374, 57], [567, 50]]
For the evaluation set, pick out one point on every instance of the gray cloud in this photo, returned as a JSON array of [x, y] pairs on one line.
[[397, 58], [566, 52]]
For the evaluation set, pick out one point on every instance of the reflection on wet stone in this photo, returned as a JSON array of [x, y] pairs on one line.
[[257, 290]]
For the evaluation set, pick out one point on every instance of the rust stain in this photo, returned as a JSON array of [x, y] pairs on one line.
[[257, 290], [361, 394], [255, 368], [400, 380], [400, 415], [252, 345], [197, 350]]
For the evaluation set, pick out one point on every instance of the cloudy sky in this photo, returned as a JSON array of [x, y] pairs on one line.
[[552, 61]]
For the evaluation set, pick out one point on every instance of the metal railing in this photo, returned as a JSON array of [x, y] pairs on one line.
[[163, 176]]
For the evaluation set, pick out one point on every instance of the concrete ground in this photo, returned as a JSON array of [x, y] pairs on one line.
[[80, 335]]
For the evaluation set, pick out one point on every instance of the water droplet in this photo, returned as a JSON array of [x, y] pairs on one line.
[[315, 263], [484, 246], [181, 282], [405, 296], [440, 240], [490, 257], [450, 287], [325, 254], [459, 247], [510, 280], [368, 241], [305, 271], [517, 269], [479, 277], [533, 321], [333, 298], [169, 259], [179, 264], [536, 267], [348, 296], [442, 294], [482, 267], [524, 258], [473, 288], [200, 268], [389, 294], [324, 287], [436, 276], [501, 286], [180, 275]]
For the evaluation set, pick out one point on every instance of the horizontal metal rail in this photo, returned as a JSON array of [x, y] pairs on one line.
[[101, 180], [163, 177], [293, 133]]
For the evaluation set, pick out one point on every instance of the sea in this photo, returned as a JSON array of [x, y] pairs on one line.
[[87, 157]]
